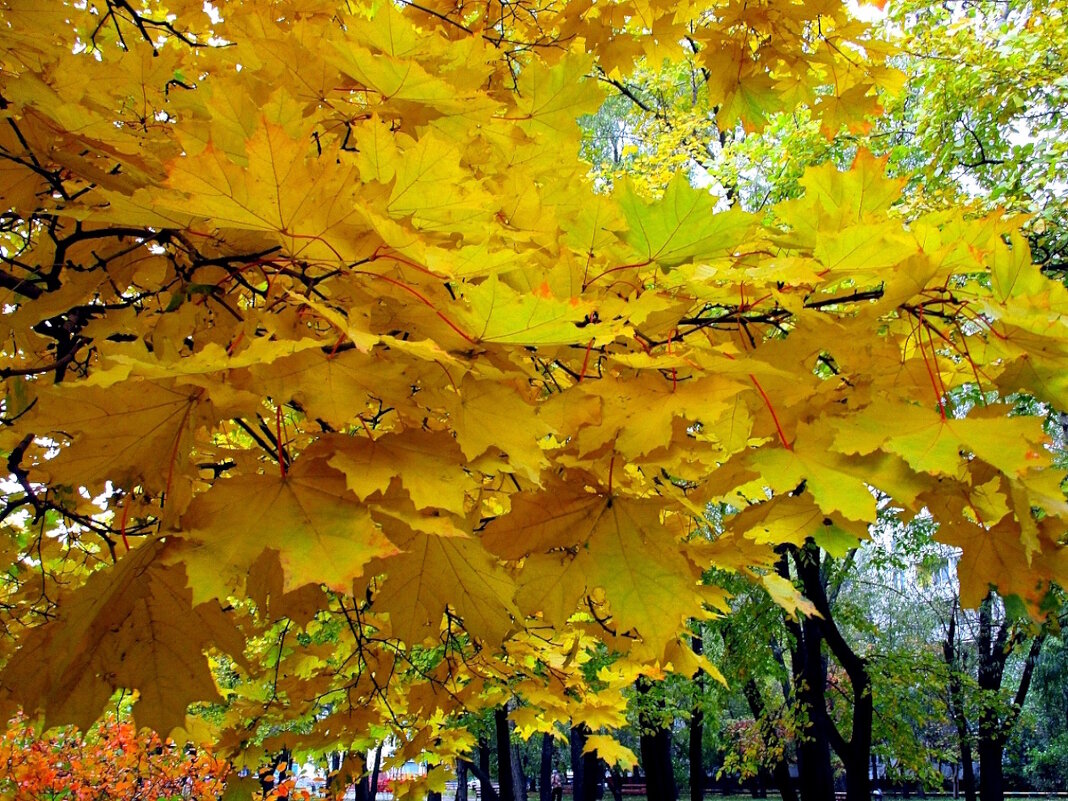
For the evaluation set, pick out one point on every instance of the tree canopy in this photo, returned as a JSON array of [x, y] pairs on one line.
[[339, 398]]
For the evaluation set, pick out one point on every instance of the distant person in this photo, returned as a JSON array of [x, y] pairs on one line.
[[557, 786]]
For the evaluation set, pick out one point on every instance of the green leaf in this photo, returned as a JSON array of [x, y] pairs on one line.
[[682, 226]]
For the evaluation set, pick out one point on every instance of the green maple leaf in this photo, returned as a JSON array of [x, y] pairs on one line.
[[497, 313], [682, 226]]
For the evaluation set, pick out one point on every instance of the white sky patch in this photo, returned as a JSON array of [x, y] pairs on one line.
[[212, 12], [866, 12]]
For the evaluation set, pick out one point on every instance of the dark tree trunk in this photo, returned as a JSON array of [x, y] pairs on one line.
[[461, 780], [991, 773], [697, 731], [656, 763], [814, 772], [361, 790], [990, 668], [994, 648], [284, 759], [376, 771], [858, 781], [545, 774], [433, 795], [519, 777], [697, 762], [760, 784], [483, 772], [967, 768], [578, 742], [335, 781], [856, 752], [955, 663], [655, 745], [592, 776], [783, 783], [485, 781], [366, 787], [505, 777], [816, 777]]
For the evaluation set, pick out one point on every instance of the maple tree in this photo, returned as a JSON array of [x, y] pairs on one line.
[[338, 400]]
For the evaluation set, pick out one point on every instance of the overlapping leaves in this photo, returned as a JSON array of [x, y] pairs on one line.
[[365, 355]]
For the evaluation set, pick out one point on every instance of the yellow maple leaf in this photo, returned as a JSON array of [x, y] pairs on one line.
[[830, 477], [783, 592], [115, 433], [133, 627], [550, 99], [261, 196], [437, 573], [322, 534], [489, 414], [603, 543], [991, 557], [933, 443], [610, 750], [423, 462]]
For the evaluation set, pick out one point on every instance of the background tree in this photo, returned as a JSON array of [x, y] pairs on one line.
[[1047, 760]]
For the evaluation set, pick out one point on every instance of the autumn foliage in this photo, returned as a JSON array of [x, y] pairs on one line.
[[336, 394], [111, 762]]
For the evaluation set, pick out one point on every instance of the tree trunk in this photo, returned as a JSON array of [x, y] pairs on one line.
[[656, 763], [592, 776], [505, 777], [697, 763], [336, 783], [856, 752], [484, 780], [284, 759], [783, 783], [858, 780], [989, 672], [376, 771], [545, 774], [954, 662], [461, 780], [519, 778], [991, 772], [361, 790], [814, 773], [697, 731], [967, 759], [994, 730], [816, 777], [578, 742], [655, 745], [760, 783], [483, 773]]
